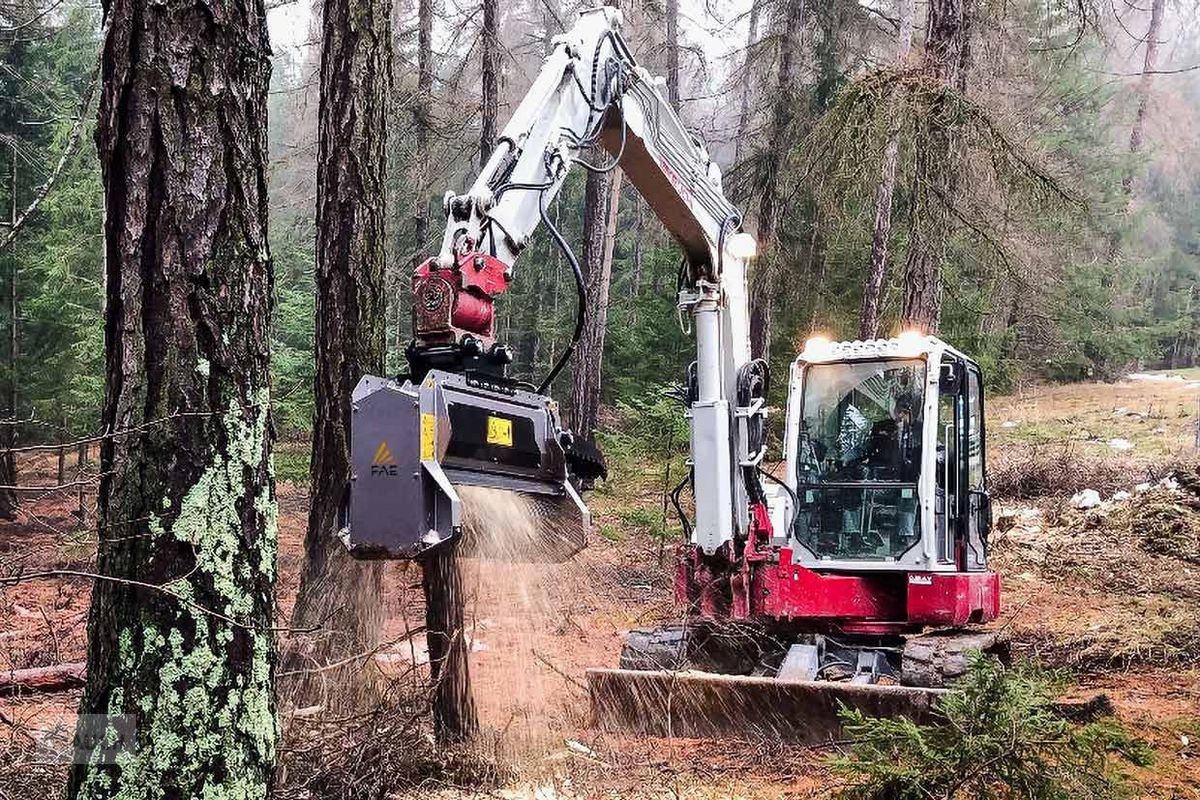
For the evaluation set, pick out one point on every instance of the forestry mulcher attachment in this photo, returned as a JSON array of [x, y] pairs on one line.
[[799, 591]]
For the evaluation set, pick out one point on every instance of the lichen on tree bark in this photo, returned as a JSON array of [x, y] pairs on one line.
[[187, 501]]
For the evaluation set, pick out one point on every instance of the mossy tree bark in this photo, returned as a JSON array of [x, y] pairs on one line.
[[340, 598], [179, 633]]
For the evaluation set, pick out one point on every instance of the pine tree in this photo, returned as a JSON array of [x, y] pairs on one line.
[[180, 630]]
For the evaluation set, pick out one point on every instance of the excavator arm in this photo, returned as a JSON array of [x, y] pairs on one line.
[[591, 91]]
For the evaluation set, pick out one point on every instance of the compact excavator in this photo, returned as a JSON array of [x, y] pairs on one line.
[[801, 593]]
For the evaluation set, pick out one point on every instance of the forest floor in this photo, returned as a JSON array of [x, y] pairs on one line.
[[1107, 593]]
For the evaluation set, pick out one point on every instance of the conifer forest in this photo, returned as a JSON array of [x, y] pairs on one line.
[[773, 398]]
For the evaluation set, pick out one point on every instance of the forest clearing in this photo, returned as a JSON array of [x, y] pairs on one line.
[[1084, 592], [616, 398]]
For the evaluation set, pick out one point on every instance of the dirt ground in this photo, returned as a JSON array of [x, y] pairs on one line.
[[1091, 591]]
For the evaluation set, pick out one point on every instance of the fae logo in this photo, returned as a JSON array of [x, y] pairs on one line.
[[384, 463]]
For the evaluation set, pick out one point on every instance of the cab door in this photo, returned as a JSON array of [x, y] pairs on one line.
[[951, 503], [964, 509], [979, 503]]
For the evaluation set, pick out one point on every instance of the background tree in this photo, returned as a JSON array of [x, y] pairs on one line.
[[935, 174], [882, 227], [601, 205], [789, 27], [1145, 84], [489, 37], [340, 597], [179, 634]]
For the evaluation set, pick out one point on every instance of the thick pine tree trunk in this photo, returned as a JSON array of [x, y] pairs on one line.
[[936, 165], [454, 717], [872, 302], [187, 499], [601, 202], [789, 26], [341, 599]]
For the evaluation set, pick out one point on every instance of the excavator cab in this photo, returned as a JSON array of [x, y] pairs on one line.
[[885, 452]]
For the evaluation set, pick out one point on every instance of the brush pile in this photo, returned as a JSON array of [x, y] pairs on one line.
[[1033, 472], [387, 752], [1115, 585]]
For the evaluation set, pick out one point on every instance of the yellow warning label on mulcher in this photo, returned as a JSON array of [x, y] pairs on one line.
[[427, 436], [499, 431]]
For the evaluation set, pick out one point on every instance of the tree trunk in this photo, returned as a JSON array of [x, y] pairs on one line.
[[936, 164], [339, 598], [8, 426], [602, 199], [454, 717], [872, 301], [789, 27], [422, 124], [187, 503], [672, 24], [1145, 86], [747, 82], [491, 66]]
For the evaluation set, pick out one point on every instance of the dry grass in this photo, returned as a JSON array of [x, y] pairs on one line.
[[1061, 470]]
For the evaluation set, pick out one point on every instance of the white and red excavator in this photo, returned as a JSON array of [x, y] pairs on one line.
[[801, 593]]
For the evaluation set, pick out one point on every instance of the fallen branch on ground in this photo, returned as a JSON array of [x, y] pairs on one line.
[[43, 679]]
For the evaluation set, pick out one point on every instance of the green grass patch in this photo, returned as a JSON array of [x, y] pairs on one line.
[[612, 533], [292, 462]]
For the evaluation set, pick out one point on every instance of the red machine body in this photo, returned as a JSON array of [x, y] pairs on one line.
[[449, 302], [769, 586], [765, 584]]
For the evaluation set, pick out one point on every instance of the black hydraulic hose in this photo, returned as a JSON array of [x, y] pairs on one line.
[[580, 290], [790, 492], [683, 520]]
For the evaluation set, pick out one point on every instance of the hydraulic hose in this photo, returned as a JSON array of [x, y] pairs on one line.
[[580, 291]]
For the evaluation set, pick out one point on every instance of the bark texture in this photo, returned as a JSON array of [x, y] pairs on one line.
[[872, 304], [422, 126], [339, 598], [490, 41], [454, 717], [179, 633], [789, 27], [602, 197], [672, 23], [937, 162]]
